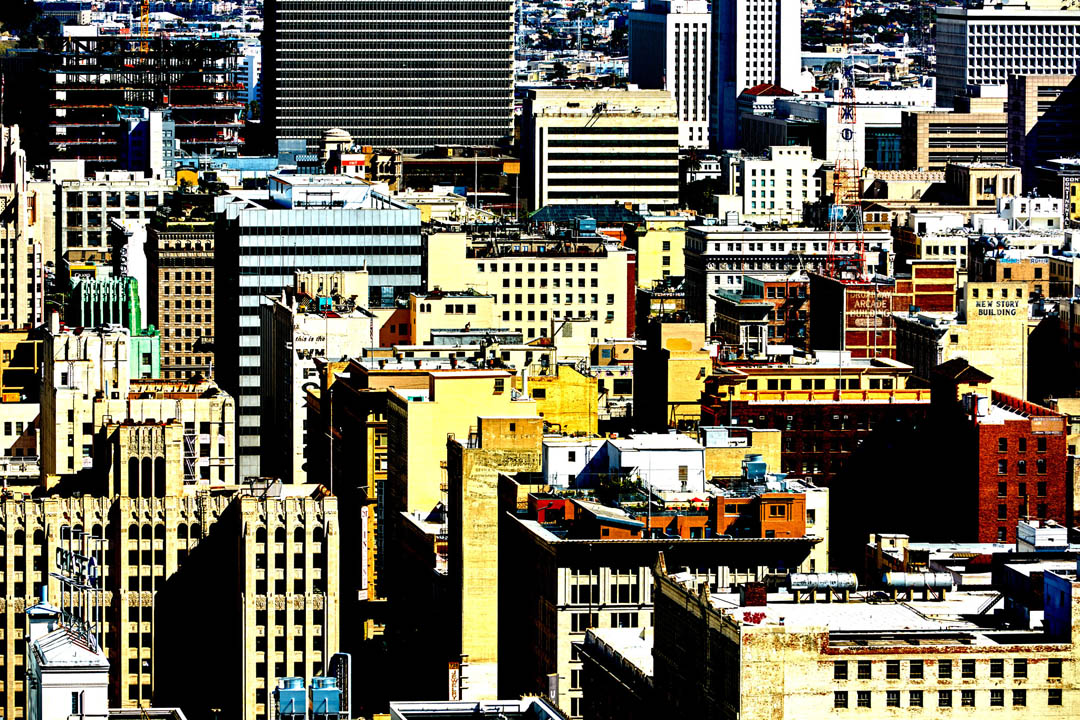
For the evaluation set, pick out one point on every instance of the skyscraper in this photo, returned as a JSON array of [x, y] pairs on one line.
[[755, 42], [394, 74], [669, 50], [985, 44]]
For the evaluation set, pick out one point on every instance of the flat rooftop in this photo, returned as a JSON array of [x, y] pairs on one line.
[[657, 441], [873, 620]]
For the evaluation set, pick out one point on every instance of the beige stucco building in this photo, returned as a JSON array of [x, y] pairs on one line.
[[990, 332], [577, 292]]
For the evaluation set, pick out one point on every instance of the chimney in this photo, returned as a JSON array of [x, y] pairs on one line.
[[753, 594]]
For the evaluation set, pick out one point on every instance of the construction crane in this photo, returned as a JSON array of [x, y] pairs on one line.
[[144, 26], [845, 214]]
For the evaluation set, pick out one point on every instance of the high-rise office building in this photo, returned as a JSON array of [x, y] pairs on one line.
[[749, 41], [984, 45], [669, 50], [408, 76], [324, 222]]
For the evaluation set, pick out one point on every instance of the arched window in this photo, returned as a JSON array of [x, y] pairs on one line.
[[147, 478], [181, 531], [298, 535], [159, 531], [147, 532], [159, 477], [133, 477]]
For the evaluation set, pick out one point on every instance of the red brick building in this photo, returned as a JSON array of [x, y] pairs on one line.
[[857, 316], [1020, 461]]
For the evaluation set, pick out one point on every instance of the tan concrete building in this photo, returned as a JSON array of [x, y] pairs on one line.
[[576, 293], [1042, 119], [420, 420], [676, 362], [990, 332], [916, 659], [444, 309], [931, 140], [87, 385], [27, 229], [981, 183], [500, 445], [180, 293], [155, 553], [726, 447]]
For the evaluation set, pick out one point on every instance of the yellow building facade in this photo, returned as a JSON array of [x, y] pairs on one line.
[[447, 310], [566, 399], [675, 363], [420, 421], [660, 249], [500, 445]]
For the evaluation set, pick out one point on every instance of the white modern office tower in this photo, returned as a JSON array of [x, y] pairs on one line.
[[754, 42], [406, 75], [984, 46], [669, 50]]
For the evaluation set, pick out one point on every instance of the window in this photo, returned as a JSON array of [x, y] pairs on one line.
[[1053, 696], [1021, 444], [1019, 668], [539, 393], [839, 670], [1003, 467], [945, 669], [1053, 669], [892, 669], [997, 668], [1003, 444], [580, 622], [499, 385], [892, 698], [1040, 466], [1021, 467], [839, 699], [997, 698], [967, 669], [1040, 444], [915, 698], [944, 698], [1003, 514], [864, 669], [862, 698], [916, 669], [1019, 698], [1003, 489], [76, 703], [967, 698], [1040, 488]]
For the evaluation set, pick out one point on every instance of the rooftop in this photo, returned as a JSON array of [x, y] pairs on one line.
[[529, 708], [630, 647], [656, 441]]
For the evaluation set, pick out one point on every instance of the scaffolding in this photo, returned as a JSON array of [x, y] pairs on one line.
[[94, 77]]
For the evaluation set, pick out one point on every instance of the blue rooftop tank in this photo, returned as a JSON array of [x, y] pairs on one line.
[[291, 698], [325, 698]]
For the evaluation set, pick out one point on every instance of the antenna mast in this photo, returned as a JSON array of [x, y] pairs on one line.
[[845, 214]]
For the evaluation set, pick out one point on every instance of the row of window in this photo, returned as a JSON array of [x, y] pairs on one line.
[[1021, 444], [822, 383], [555, 267], [555, 282], [968, 698], [864, 669], [1021, 467]]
